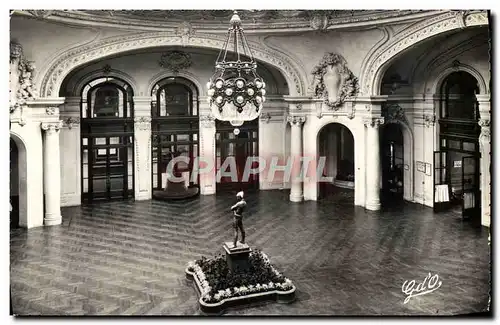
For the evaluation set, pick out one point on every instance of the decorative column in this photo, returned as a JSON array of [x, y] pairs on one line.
[[142, 148], [485, 161], [52, 173], [296, 152], [207, 158], [373, 167]]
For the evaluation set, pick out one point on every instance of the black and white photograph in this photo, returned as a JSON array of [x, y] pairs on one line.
[[249, 162]]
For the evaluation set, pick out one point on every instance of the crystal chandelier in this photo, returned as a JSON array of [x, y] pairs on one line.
[[235, 91]]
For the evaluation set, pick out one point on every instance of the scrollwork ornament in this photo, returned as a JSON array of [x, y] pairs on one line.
[[142, 123], [485, 133], [71, 121], [176, 61], [394, 112], [50, 110], [333, 81], [207, 121], [319, 22], [52, 127], [429, 120], [265, 117], [484, 123], [351, 114], [22, 88]]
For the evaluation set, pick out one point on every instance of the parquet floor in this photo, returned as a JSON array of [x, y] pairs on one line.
[[128, 258]]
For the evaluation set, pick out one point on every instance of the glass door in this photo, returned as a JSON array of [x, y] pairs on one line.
[[441, 184], [232, 153], [108, 168], [470, 188]]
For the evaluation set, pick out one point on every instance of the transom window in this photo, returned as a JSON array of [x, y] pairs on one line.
[[107, 97]]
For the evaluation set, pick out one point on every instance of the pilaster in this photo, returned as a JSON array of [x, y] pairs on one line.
[[485, 161], [142, 148], [70, 141], [207, 158]]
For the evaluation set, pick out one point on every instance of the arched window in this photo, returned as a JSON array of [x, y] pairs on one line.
[[174, 97], [107, 97], [174, 130], [459, 97]]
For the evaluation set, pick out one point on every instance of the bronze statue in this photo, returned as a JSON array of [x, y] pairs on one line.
[[238, 209]]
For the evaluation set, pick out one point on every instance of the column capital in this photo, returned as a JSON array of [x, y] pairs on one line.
[[142, 123], [373, 122], [296, 119], [51, 127], [207, 121]]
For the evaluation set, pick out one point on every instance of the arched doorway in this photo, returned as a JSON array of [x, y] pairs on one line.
[[336, 145], [392, 162], [107, 132], [237, 148], [456, 162], [175, 133], [14, 185], [18, 183]]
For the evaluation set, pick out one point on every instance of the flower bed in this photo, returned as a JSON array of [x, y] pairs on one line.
[[218, 287]]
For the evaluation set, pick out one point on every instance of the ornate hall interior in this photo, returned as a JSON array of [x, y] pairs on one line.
[[381, 119]]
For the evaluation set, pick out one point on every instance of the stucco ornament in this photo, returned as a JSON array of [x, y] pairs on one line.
[[176, 61], [333, 81], [21, 78]]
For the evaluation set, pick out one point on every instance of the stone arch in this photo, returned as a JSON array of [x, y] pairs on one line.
[[408, 143], [22, 177], [186, 75], [351, 125], [452, 20], [62, 65], [441, 76], [81, 83]]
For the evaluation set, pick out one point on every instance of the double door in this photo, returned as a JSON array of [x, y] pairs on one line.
[[238, 148], [107, 167], [456, 183]]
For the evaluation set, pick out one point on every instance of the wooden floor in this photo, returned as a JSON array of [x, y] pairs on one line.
[[128, 258]]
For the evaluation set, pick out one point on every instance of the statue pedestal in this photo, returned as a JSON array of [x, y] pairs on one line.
[[237, 257]]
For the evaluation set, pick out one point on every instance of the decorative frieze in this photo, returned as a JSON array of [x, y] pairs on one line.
[[333, 81], [114, 45], [52, 127], [373, 122], [142, 123]]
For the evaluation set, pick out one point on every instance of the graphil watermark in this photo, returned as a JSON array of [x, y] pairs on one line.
[[295, 169], [431, 283]]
